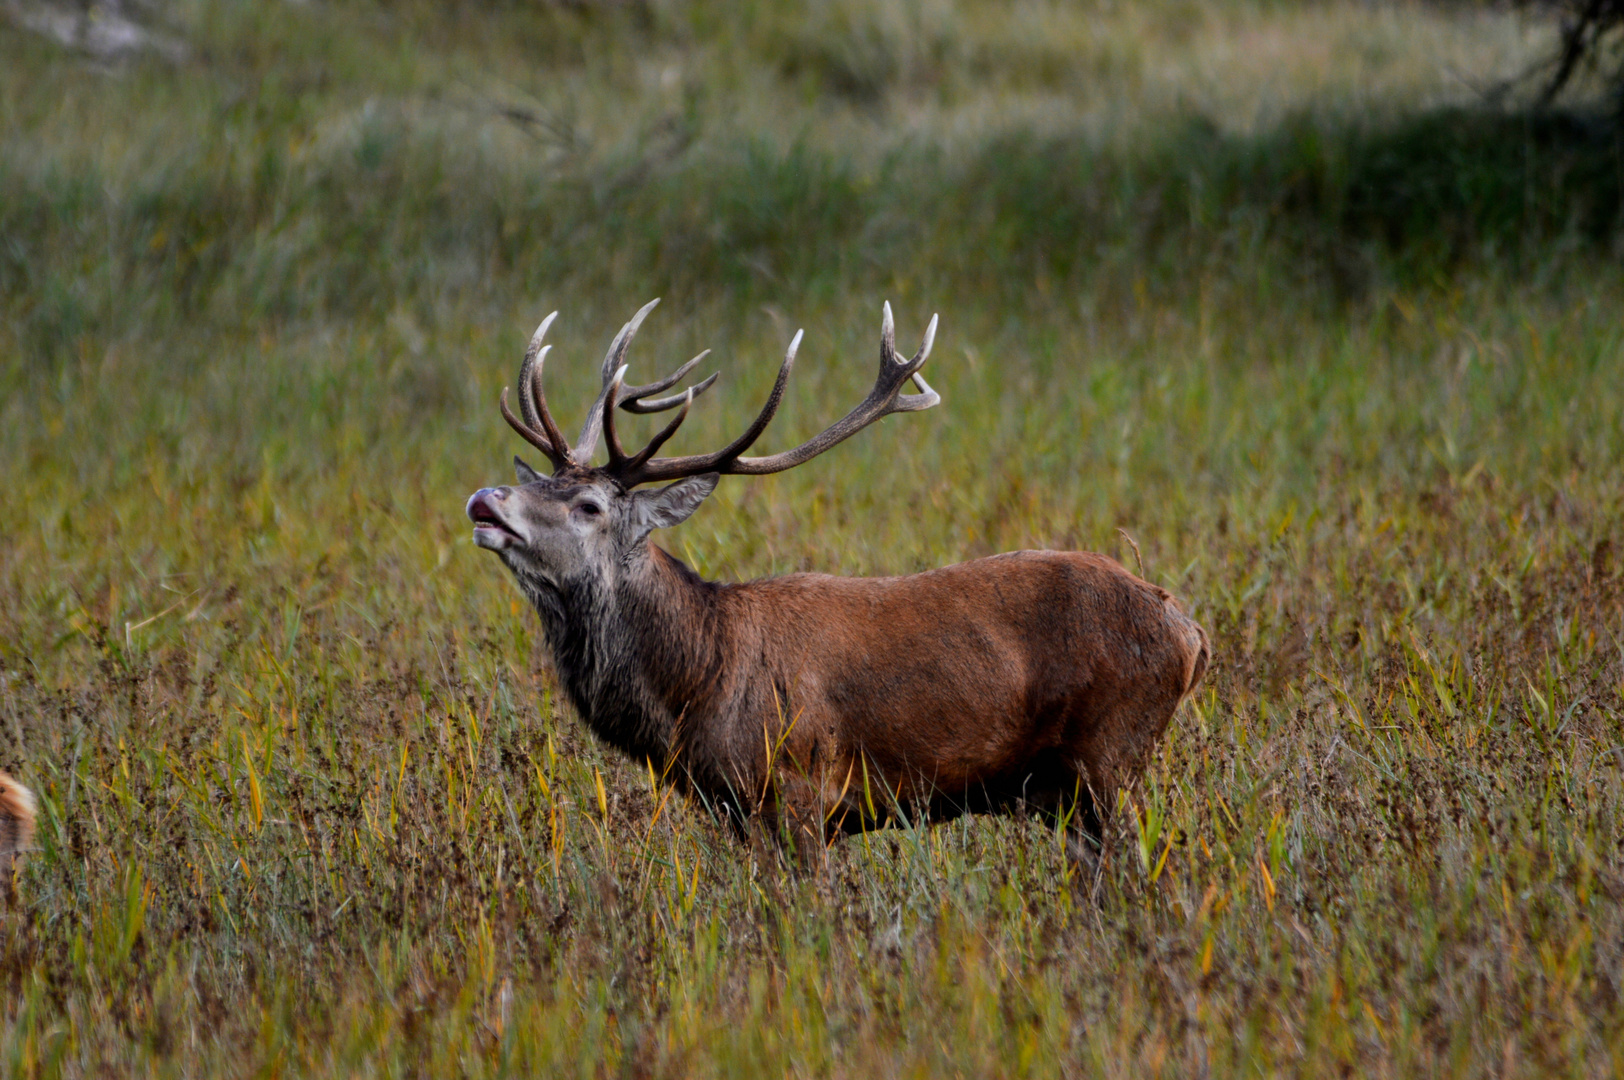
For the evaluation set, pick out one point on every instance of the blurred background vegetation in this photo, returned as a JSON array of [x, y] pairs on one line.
[[1319, 301]]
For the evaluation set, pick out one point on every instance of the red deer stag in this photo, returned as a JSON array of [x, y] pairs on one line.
[[1035, 681]]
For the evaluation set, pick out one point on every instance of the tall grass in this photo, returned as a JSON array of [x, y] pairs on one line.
[[1337, 345]]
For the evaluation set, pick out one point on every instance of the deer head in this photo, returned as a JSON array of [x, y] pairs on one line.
[[586, 521]]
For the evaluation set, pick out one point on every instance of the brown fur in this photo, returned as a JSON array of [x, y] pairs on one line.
[[1035, 681], [1017, 681], [16, 825]]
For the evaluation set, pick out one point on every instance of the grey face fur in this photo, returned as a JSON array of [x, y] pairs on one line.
[[579, 525]]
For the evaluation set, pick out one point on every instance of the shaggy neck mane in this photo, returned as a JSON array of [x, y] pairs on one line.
[[633, 655]]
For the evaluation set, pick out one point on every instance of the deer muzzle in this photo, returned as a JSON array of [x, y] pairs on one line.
[[491, 529]]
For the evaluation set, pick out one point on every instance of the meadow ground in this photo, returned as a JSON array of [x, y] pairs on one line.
[[1267, 286]]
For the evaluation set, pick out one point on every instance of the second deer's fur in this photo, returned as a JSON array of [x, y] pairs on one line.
[[16, 828]]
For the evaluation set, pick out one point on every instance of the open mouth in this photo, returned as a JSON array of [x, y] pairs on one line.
[[489, 528], [492, 525]]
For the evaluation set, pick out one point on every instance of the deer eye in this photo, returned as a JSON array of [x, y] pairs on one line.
[[590, 509]]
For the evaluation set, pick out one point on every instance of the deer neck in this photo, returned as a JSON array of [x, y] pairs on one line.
[[636, 651]]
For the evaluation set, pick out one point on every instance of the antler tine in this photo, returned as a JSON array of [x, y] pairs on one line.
[[611, 395], [613, 361], [533, 437], [625, 398], [538, 397], [769, 409], [533, 403], [694, 464], [662, 404], [884, 399], [631, 396], [926, 397], [638, 459], [527, 403]]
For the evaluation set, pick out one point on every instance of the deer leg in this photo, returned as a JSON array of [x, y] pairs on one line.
[[763, 839], [1064, 800], [798, 821], [1112, 756], [1085, 840]]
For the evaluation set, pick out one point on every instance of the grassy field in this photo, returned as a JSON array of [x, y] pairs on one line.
[[1265, 285]]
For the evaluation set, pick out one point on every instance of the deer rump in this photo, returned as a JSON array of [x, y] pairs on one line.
[[1032, 682]]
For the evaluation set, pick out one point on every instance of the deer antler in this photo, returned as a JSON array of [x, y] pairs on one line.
[[643, 467], [884, 399], [630, 398], [533, 401]]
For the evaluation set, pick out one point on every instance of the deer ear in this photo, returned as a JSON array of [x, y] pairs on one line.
[[673, 504], [525, 473]]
